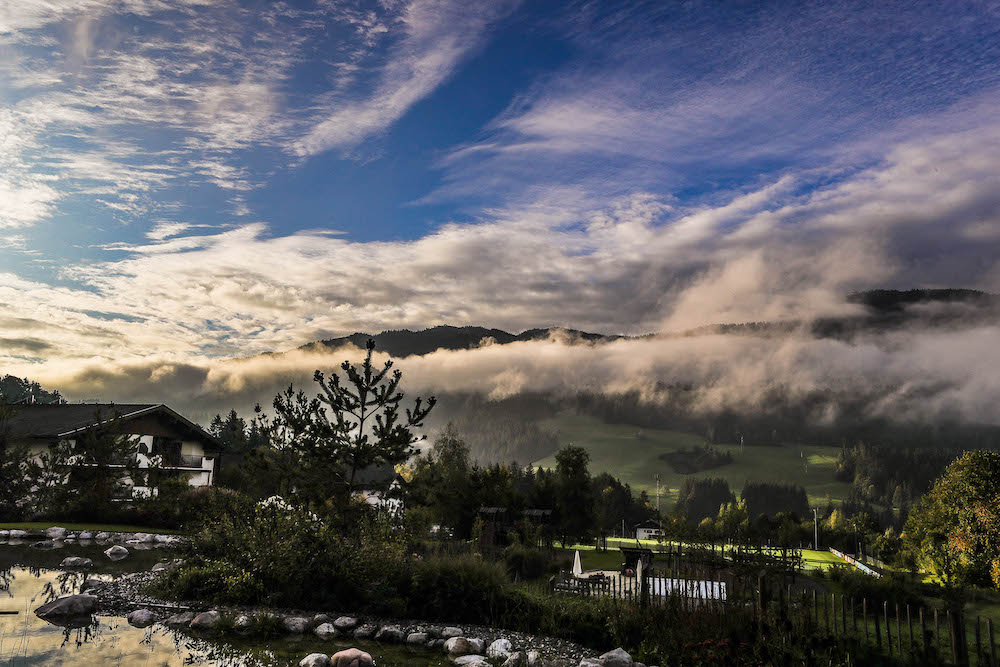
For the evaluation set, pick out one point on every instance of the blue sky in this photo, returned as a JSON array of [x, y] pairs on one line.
[[197, 179]]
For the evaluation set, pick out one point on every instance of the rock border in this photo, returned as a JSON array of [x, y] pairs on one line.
[[510, 648]]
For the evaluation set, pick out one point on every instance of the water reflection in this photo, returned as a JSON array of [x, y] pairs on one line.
[[27, 640]]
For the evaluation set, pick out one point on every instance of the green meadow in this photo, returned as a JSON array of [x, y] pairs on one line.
[[633, 454]]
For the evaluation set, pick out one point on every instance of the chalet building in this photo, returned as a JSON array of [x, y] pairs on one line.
[[648, 530], [186, 450]]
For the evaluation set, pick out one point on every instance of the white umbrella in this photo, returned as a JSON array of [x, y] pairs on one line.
[[638, 577], [577, 566]]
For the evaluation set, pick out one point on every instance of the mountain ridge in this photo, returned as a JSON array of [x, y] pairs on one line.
[[884, 310]]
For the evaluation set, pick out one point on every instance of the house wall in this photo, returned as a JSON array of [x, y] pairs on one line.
[[147, 428]]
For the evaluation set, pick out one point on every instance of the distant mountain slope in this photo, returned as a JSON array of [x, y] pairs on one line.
[[888, 300], [886, 309], [403, 342]]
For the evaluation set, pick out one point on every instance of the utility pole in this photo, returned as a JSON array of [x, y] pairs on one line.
[[816, 528], [657, 496]]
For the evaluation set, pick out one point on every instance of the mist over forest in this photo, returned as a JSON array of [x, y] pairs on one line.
[[903, 368]]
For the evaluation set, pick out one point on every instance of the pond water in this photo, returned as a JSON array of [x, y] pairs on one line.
[[29, 577]]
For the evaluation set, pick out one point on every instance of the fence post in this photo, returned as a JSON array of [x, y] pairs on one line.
[[979, 645], [923, 630], [864, 616], [888, 628], [951, 632], [993, 647], [878, 631], [937, 632], [899, 633], [909, 626]]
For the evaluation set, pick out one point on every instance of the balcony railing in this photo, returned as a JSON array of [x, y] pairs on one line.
[[184, 461]]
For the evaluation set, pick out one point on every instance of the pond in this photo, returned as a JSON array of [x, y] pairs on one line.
[[30, 577]]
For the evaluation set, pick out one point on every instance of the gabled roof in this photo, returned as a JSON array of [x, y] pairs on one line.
[[68, 419]]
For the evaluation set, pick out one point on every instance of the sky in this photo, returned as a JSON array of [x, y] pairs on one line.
[[189, 181]]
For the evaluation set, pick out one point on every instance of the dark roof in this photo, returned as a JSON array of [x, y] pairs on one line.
[[536, 512], [648, 523], [58, 421]]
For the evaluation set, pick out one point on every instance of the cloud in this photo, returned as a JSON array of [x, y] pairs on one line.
[[437, 36], [635, 264]]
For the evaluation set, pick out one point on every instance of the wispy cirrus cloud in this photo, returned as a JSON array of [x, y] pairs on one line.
[[437, 36]]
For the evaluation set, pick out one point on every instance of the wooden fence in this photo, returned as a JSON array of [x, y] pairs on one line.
[[903, 632]]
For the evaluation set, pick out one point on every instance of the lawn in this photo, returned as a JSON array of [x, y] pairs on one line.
[[592, 559], [40, 526], [633, 454]]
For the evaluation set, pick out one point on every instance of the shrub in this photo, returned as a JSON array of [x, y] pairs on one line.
[[296, 558], [214, 581], [524, 562]]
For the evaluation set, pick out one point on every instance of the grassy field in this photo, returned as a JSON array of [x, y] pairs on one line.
[[633, 455], [593, 559], [40, 526]]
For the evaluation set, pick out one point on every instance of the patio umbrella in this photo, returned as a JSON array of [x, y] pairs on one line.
[[577, 566]]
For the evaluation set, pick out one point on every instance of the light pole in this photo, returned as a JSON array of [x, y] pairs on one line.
[[816, 528]]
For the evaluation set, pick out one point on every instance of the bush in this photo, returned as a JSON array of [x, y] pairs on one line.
[[464, 588], [891, 588], [296, 559], [524, 562], [213, 581]]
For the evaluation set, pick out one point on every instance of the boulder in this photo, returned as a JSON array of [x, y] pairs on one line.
[[366, 631], [351, 657], [616, 658], [160, 567], [417, 638], [478, 645], [590, 662], [92, 582], [103, 536], [163, 539], [44, 544], [144, 537], [141, 618], [4, 534], [515, 659], [533, 659], [71, 605], [297, 625], [315, 660], [56, 533], [16, 534], [469, 660], [320, 619], [390, 633], [325, 631], [85, 535], [499, 649], [76, 561], [458, 646], [243, 623], [436, 643], [206, 621], [451, 631], [345, 623], [180, 620], [116, 552]]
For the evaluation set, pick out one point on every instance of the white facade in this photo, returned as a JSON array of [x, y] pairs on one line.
[[648, 533], [164, 440]]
